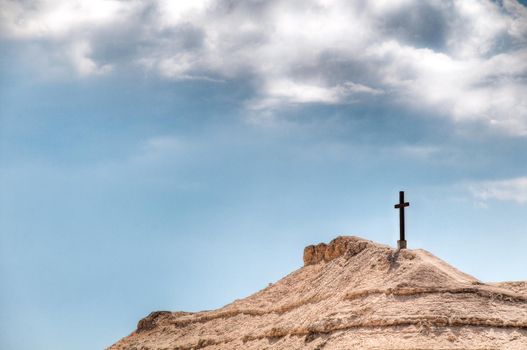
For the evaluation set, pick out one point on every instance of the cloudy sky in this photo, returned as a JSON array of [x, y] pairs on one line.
[[171, 155]]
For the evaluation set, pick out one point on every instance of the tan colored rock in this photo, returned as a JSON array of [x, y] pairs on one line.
[[309, 255], [337, 247], [341, 245], [518, 287], [353, 294], [320, 251], [149, 322]]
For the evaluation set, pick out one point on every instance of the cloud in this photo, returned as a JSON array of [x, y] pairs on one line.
[[280, 92], [514, 190], [419, 151], [80, 56], [463, 60], [57, 18]]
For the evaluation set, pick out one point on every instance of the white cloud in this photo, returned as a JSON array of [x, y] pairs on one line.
[[514, 190], [465, 60], [279, 92], [174, 12], [80, 56], [419, 151], [57, 18]]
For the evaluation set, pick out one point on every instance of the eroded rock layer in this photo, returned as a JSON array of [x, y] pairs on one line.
[[353, 294]]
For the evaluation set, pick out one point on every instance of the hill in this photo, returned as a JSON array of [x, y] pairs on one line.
[[353, 294]]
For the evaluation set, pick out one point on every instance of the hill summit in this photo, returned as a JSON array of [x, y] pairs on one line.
[[353, 294]]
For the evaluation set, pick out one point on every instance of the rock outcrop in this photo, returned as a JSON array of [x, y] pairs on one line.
[[313, 254], [353, 294]]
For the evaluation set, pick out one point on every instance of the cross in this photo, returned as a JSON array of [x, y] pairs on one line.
[[401, 243]]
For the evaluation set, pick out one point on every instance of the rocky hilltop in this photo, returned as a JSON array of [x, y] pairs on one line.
[[353, 294]]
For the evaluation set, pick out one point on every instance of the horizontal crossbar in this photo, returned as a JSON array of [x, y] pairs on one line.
[[398, 206]]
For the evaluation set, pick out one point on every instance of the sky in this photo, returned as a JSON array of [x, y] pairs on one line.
[[172, 155]]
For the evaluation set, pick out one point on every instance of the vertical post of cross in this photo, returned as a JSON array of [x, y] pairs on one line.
[[401, 243]]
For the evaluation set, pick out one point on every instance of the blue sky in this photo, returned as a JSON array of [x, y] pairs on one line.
[[157, 155]]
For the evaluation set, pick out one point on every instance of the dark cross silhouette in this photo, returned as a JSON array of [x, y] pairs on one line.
[[401, 243]]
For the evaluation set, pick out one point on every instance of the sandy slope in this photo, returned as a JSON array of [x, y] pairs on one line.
[[354, 294]]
